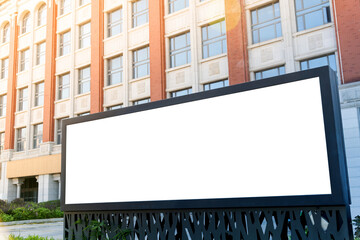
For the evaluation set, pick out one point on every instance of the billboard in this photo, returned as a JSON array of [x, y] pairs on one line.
[[275, 142]]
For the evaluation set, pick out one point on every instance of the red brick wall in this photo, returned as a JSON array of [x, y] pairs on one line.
[[347, 13]]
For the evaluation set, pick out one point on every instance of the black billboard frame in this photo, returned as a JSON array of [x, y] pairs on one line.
[[334, 139]]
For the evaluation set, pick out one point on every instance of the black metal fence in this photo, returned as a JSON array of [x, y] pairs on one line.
[[218, 224]]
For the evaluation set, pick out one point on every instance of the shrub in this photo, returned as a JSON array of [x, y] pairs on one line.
[[6, 217], [31, 237], [52, 205], [357, 226], [20, 210], [41, 213], [18, 202]]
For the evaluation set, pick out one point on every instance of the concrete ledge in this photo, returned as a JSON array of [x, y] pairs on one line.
[[33, 221]]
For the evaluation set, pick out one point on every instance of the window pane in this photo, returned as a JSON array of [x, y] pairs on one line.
[[215, 85], [267, 33], [314, 19], [181, 93], [265, 14], [272, 72]]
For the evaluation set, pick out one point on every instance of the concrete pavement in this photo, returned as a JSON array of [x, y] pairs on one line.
[[43, 228]]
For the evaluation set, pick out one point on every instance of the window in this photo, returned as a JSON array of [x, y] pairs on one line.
[[115, 22], [180, 50], [114, 107], [6, 33], [84, 80], [141, 101], [39, 94], [181, 93], [64, 43], [40, 53], [312, 13], [64, 86], [115, 69], [140, 13], [41, 18], [215, 85], [37, 135], [65, 6], [266, 23], [25, 24], [141, 62], [85, 35], [83, 114], [23, 99], [270, 73], [83, 2], [2, 141], [4, 68], [3, 105], [214, 39], [328, 60], [58, 130], [20, 139], [176, 5], [24, 60]]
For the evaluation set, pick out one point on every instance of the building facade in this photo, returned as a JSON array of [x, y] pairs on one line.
[[66, 58]]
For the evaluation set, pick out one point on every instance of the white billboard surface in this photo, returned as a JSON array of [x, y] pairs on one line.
[[258, 143]]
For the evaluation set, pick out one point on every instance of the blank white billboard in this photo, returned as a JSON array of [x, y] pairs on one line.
[[259, 143]]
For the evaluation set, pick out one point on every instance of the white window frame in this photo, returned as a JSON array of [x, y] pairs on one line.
[[24, 60], [65, 7], [83, 36], [64, 44], [40, 55], [136, 63], [174, 52], [4, 68], [61, 86], [23, 100], [6, 33], [41, 15], [20, 139], [25, 23], [39, 94], [82, 81], [136, 14], [111, 71], [37, 135], [112, 25], [207, 42], [3, 102]]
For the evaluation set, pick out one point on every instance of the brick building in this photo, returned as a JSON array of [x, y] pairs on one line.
[[67, 58]]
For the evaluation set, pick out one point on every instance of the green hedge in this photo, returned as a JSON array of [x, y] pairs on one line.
[[20, 210], [31, 237]]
